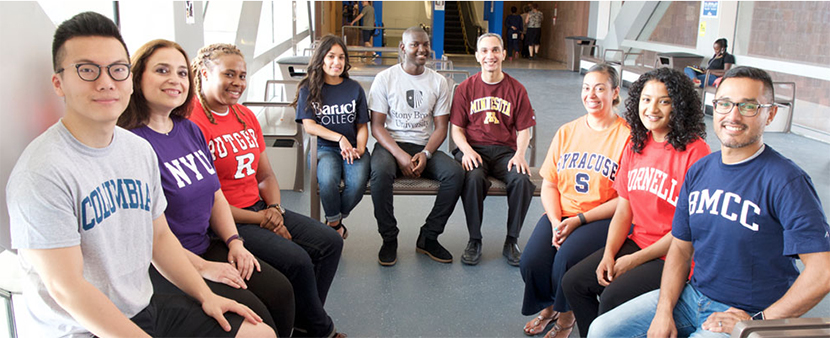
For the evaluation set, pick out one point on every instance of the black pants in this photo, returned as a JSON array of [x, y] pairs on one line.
[[440, 167], [170, 315], [581, 286], [519, 189], [269, 292]]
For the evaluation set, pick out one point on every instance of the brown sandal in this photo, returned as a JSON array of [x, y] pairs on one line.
[[556, 329], [538, 324]]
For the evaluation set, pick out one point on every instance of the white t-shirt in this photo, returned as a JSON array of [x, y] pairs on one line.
[[62, 193], [410, 102]]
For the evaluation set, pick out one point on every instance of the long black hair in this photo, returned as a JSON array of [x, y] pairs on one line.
[[686, 118], [315, 76]]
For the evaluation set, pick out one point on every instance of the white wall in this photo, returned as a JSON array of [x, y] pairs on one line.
[[30, 105], [403, 14]]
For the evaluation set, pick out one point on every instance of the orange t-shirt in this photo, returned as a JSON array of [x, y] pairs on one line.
[[583, 163]]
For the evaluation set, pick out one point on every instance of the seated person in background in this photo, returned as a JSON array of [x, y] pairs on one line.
[[667, 136], [410, 107], [86, 210], [579, 200], [158, 111], [333, 107], [304, 250], [491, 120], [744, 214], [720, 62]]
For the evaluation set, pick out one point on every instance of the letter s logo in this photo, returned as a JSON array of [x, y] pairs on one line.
[[582, 185]]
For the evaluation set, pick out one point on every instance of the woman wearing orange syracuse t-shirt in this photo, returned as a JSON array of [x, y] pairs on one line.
[[667, 137], [579, 200]]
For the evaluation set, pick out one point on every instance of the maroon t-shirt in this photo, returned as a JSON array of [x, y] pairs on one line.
[[491, 114]]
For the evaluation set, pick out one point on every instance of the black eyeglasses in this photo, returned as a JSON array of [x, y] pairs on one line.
[[748, 109], [90, 71]]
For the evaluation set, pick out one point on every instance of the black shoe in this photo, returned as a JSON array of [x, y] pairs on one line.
[[512, 252], [433, 249], [472, 254], [388, 254]]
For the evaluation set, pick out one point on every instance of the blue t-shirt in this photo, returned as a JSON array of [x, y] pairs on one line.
[[747, 222], [344, 107]]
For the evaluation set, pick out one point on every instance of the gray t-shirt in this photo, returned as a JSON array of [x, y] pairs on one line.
[[62, 193], [410, 102]]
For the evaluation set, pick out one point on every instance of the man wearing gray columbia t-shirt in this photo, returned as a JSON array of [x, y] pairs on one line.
[[410, 107], [87, 212]]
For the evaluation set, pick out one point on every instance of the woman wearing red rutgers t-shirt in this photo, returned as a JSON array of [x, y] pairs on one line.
[[667, 137], [305, 250]]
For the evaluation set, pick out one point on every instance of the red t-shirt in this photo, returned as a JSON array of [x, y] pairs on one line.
[[235, 152], [491, 114], [651, 181]]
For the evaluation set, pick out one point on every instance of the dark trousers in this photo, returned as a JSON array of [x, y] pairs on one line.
[[178, 315], [512, 46], [269, 293], [519, 189], [581, 287], [440, 167], [543, 266], [309, 260]]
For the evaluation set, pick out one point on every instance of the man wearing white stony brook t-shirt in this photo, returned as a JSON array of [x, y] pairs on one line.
[[410, 107]]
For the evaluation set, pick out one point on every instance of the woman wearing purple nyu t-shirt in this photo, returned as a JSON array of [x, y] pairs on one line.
[[197, 211]]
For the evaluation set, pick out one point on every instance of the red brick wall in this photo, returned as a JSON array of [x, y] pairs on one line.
[[678, 26], [572, 20], [795, 31]]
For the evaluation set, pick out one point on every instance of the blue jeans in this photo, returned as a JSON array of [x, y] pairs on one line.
[[331, 168], [692, 74], [440, 167], [543, 266], [633, 318], [309, 260]]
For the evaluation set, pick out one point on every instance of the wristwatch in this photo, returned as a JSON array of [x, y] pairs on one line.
[[758, 316], [278, 207], [427, 153]]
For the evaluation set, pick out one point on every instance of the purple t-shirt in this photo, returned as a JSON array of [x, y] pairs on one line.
[[189, 181]]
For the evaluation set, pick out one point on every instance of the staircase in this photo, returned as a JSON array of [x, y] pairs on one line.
[[453, 34]]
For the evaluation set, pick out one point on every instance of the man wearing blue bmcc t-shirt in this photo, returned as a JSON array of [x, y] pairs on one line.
[[744, 214]]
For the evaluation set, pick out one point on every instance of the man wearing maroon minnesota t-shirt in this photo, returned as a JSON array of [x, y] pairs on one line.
[[491, 118]]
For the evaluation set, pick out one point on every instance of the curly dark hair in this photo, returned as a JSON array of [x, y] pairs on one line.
[[686, 120]]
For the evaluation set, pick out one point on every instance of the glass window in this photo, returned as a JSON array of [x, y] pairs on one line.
[[221, 21]]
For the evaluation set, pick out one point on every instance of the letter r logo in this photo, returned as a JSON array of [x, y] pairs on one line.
[[244, 166]]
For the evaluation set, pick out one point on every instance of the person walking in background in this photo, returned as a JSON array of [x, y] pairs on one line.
[[515, 25], [534, 30]]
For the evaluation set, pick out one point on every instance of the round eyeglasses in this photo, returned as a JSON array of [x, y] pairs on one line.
[[90, 71], [748, 109]]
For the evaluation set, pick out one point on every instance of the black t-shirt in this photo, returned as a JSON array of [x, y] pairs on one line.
[[718, 62]]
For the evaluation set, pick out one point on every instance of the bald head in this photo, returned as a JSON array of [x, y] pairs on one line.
[[411, 33]]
